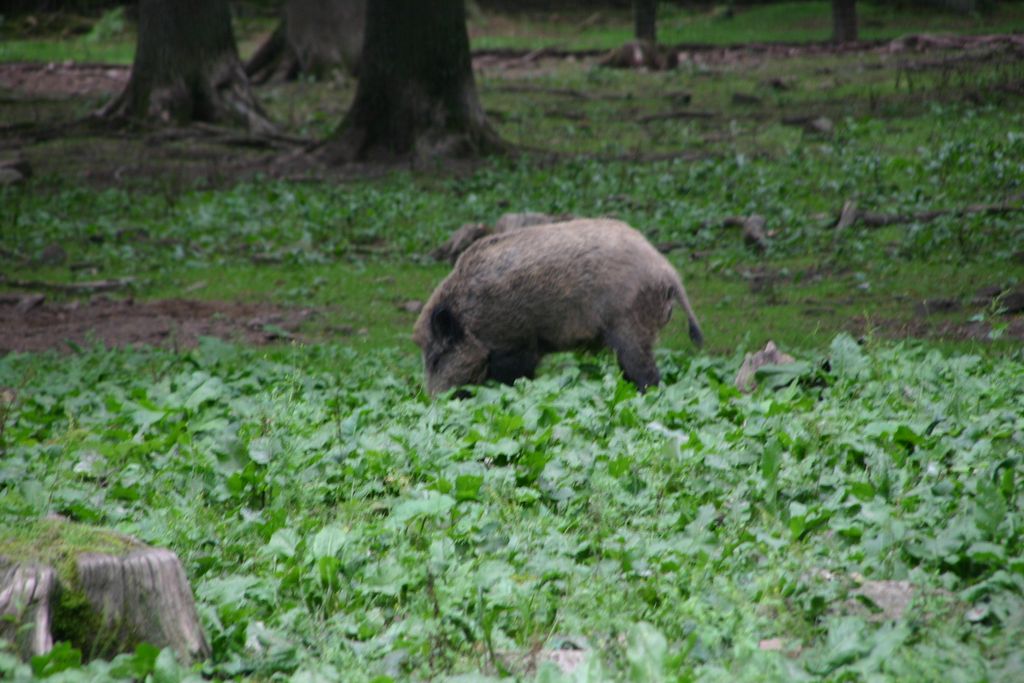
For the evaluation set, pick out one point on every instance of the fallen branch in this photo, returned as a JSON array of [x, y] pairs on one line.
[[754, 234], [676, 114], [70, 287], [534, 55], [23, 303], [877, 219], [565, 92], [847, 217], [685, 155], [234, 134]]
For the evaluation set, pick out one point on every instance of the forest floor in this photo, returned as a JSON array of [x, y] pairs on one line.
[[722, 104], [205, 343]]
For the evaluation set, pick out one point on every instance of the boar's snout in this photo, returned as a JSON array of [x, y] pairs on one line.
[[452, 356]]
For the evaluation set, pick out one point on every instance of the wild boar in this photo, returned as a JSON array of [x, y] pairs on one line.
[[515, 296]]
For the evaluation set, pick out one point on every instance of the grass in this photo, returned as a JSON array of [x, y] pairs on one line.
[[790, 22], [604, 29]]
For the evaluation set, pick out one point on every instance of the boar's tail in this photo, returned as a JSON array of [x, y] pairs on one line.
[[695, 333]]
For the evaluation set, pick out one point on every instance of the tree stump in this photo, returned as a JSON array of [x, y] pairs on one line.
[[102, 603]]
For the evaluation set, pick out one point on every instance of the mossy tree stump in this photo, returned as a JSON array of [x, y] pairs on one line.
[[102, 592]]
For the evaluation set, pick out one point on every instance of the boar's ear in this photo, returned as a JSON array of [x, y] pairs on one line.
[[444, 324]]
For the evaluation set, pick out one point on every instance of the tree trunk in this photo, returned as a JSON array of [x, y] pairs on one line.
[[110, 605], [186, 68], [645, 14], [416, 97], [314, 37], [274, 59], [844, 21]]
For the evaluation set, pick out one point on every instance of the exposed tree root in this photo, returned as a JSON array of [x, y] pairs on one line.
[[223, 96]]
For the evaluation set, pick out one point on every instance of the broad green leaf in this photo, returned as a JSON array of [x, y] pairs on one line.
[[328, 542], [433, 504], [282, 543]]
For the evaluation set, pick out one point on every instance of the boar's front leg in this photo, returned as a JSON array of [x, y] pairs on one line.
[[635, 356], [509, 365]]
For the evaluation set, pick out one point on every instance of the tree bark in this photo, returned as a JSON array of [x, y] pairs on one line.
[[113, 604], [416, 97], [187, 69], [844, 21], [645, 14], [314, 37]]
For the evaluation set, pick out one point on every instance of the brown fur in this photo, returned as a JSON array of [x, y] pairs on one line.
[[469, 233], [515, 296]]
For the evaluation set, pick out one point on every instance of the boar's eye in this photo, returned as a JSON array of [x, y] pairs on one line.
[[433, 361]]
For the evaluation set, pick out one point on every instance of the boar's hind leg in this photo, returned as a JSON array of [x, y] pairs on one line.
[[508, 366], [635, 357]]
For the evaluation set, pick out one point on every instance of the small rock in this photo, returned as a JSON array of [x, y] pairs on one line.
[[771, 645], [821, 124], [28, 302], [932, 306], [745, 99], [52, 255], [17, 170], [890, 597], [847, 215], [777, 83], [411, 306], [753, 232], [567, 661], [770, 355], [7, 396]]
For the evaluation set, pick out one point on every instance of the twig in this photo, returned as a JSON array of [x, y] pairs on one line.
[[534, 55], [70, 287], [876, 219], [686, 155], [23, 303], [566, 92], [675, 114], [232, 136]]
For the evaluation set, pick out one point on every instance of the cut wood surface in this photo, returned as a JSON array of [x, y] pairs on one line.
[[146, 595], [26, 591]]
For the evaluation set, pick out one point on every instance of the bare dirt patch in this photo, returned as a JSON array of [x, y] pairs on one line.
[[63, 79], [953, 330], [32, 326]]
